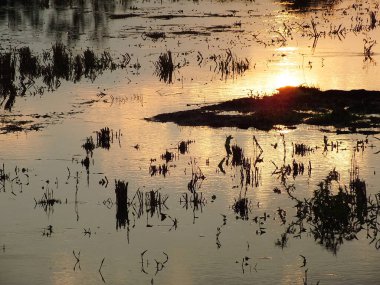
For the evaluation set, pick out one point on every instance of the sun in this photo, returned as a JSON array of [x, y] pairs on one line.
[[286, 77]]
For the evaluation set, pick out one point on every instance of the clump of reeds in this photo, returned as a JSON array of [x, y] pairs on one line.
[[47, 200], [161, 169], [122, 213], [29, 64], [302, 149], [298, 168], [86, 163], [237, 155], [183, 146], [61, 61], [167, 156], [367, 49], [90, 63], [154, 201], [7, 68], [7, 78], [19, 69], [333, 176], [3, 177], [195, 200], [373, 20], [295, 169], [337, 215], [241, 207], [197, 178], [103, 138], [165, 67], [89, 145], [230, 64], [283, 241]]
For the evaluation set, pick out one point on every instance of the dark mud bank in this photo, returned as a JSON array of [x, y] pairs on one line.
[[355, 110]]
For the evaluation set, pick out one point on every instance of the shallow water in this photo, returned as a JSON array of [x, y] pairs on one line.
[[201, 247]]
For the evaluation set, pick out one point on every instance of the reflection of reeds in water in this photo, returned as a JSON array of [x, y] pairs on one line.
[[167, 156], [122, 212], [183, 146], [230, 65], [161, 169], [7, 78], [3, 178], [89, 145], [237, 155], [194, 201], [302, 149], [154, 202], [47, 200], [338, 215], [165, 67], [197, 177], [19, 69], [249, 172], [242, 207], [367, 49], [104, 138]]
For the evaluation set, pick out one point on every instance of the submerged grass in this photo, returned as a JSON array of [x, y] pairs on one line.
[[229, 65], [20, 70], [122, 212], [165, 67], [336, 213]]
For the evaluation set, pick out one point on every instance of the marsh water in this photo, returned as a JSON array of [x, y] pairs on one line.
[[191, 215]]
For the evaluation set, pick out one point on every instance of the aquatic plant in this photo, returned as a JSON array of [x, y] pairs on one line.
[[20, 68], [229, 64], [29, 64], [122, 211], [195, 201], [154, 202], [367, 48], [302, 149], [167, 156], [165, 67], [161, 169], [89, 146], [197, 177], [237, 155], [47, 201], [242, 207], [3, 177], [104, 138], [335, 216], [183, 146], [7, 77]]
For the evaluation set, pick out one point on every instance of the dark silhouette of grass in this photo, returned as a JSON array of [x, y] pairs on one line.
[[290, 106], [165, 67], [333, 217], [20, 70]]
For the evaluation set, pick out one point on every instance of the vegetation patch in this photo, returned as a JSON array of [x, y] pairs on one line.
[[290, 106]]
